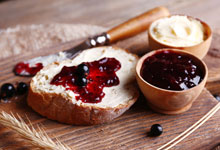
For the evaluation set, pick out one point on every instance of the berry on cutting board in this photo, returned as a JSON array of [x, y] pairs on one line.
[[22, 88], [7, 91], [156, 130]]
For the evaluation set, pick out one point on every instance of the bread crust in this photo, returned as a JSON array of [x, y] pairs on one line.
[[54, 106]]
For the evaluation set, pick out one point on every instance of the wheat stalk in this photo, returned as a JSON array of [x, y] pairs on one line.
[[39, 139]]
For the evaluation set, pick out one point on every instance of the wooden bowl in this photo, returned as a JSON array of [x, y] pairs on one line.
[[170, 101], [199, 50]]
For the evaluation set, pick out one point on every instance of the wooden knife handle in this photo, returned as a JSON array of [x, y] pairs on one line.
[[136, 25]]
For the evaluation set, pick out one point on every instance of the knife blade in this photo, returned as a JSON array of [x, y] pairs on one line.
[[125, 30]]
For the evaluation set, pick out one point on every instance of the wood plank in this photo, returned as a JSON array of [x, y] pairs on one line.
[[129, 131], [99, 13], [126, 132], [213, 61]]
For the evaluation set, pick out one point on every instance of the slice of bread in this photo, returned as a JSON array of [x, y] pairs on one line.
[[57, 103]]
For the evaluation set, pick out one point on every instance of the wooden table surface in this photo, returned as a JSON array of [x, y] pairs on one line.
[[107, 13]]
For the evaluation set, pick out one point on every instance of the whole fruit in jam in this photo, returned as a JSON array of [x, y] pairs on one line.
[[7, 90], [82, 69], [81, 81]]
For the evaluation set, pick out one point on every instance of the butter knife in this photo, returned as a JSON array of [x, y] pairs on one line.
[[125, 30]]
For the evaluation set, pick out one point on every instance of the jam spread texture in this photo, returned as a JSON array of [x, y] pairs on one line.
[[88, 79], [27, 70], [171, 70]]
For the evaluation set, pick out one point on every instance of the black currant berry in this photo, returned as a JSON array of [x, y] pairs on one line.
[[7, 90], [217, 97], [81, 81], [82, 69], [22, 88], [156, 130]]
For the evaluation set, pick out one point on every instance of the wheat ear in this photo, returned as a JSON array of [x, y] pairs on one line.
[[39, 139]]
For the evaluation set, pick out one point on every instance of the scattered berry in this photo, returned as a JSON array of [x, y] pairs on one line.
[[81, 81], [82, 69], [217, 96], [156, 130], [22, 88], [7, 90]]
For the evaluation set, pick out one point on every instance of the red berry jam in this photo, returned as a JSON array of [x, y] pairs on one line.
[[171, 70], [25, 69], [102, 73]]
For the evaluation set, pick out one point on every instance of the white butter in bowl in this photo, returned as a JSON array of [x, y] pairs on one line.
[[178, 31]]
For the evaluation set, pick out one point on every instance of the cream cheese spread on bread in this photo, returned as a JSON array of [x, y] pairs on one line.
[[114, 96]]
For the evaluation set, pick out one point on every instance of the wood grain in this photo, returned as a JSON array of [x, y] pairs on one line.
[[213, 61], [107, 13], [136, 25], [126, 132]]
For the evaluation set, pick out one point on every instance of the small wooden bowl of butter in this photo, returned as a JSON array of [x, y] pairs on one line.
[[180, 32]]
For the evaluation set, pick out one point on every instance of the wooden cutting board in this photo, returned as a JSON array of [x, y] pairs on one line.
[[129, 131]]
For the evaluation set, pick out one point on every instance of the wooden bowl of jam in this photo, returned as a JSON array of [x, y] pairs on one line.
[[189, 34], [171, 79]]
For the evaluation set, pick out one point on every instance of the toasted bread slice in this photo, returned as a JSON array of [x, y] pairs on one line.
[[57, 103]]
